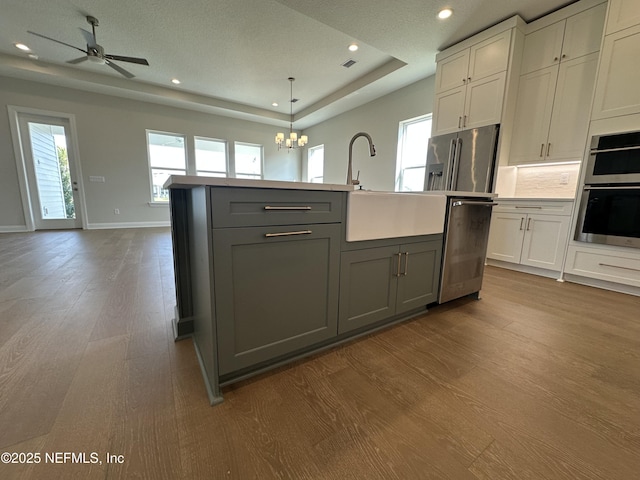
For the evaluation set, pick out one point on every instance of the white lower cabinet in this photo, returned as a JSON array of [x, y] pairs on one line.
[[531, 233], [611, 264]]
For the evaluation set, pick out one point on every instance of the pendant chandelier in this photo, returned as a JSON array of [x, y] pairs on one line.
[[292, 141]]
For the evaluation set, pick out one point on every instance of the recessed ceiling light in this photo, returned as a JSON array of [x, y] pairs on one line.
[[22, 47], [175, 81], [353, 47], [274, 104], [445, 13]]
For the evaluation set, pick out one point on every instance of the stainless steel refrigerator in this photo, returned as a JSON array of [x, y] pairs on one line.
[[462, 161]]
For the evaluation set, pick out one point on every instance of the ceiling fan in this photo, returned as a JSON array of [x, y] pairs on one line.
[[95, 53]]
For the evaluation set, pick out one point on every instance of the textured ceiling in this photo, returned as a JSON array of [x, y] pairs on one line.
[[233, 57]]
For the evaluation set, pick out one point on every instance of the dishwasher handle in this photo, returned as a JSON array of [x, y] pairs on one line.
[[458, 203]]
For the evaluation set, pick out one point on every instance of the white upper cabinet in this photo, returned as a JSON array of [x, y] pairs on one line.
[[622, 14], [554, 95], [481, 60], [470, 84], [574, 37], [617, 87], [542, 48]]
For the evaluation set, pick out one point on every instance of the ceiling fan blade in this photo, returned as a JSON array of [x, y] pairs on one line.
[[89, 37], [54, 40], [78, 60], [120, 58], [119, 69]]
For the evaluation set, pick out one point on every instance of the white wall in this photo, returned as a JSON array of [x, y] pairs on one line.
[[380, 119], [112, 143]]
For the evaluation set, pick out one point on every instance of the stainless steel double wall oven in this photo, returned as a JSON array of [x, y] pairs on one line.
[[610, 206]]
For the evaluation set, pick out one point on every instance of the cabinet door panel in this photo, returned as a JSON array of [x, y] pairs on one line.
[[452, 71], [542, 48], [447, 112], [505, 237], [367, 286], [489, 57], [583, 33], [418, 285], [274, 295], [483, 104], [545, 240], [533, 114], [622, 14], [617, 91], [570, 118]]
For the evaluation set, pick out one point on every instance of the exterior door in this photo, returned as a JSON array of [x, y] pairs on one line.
[[51, 170]]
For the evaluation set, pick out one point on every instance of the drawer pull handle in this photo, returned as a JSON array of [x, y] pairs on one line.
[[406, 264], [293, 207], [528, 206], [286, 234], [618, 266]]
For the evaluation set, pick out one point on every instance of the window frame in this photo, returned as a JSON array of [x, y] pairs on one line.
[[309, 152], [235, 158], [150, 168], [226, 155], [402, 136]]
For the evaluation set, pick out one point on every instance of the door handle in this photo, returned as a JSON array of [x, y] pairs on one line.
[[521, 223], [464, 122], [541, 149], [529, 224], [459, 122], [398, 273], [548, 148]]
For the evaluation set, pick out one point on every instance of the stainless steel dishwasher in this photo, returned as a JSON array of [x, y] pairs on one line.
[[465, 246]]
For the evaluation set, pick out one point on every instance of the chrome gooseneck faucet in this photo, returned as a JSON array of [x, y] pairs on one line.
[[372, 152]]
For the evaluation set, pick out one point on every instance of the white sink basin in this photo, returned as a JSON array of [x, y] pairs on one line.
[[374, 215]]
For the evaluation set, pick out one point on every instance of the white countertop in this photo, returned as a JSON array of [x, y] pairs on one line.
[[190, 181]]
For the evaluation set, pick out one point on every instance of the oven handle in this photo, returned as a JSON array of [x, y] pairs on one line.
[[621, 149], [632, 187]]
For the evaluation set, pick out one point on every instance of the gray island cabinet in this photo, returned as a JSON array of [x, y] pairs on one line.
[[264, 274]]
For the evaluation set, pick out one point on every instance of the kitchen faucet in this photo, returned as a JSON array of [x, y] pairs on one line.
[[372, 152]]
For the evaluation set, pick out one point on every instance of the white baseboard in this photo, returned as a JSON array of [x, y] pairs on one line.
[[109, 226], [594, 282], [13, 228]]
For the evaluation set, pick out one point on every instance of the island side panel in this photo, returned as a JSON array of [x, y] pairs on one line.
[[178, 207], [201, 267]]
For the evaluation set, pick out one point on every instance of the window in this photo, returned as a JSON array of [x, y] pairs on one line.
[[413, 141], [315, 164], [167, 157], [248, 160], [211, 157]]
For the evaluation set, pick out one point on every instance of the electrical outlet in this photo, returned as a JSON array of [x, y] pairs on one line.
[[564, 179], [116, 211]]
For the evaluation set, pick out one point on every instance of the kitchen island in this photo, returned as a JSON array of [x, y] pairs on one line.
[[265, 275]]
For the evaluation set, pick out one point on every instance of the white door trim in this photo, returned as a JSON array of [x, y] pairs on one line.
[[27, 207]]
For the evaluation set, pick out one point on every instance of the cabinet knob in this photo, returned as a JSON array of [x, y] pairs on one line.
[[464, 80], [468, 79], [555, 59], [564, 55]]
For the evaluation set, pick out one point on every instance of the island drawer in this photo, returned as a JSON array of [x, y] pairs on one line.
[[244, 207]]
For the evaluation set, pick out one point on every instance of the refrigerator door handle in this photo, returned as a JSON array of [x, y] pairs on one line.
[[452, 153], [456, 164]]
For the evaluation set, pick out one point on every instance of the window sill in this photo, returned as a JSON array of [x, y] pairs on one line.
[[158, 204]]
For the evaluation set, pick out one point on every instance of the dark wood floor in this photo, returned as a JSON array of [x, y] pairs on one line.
[[538, 380]]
